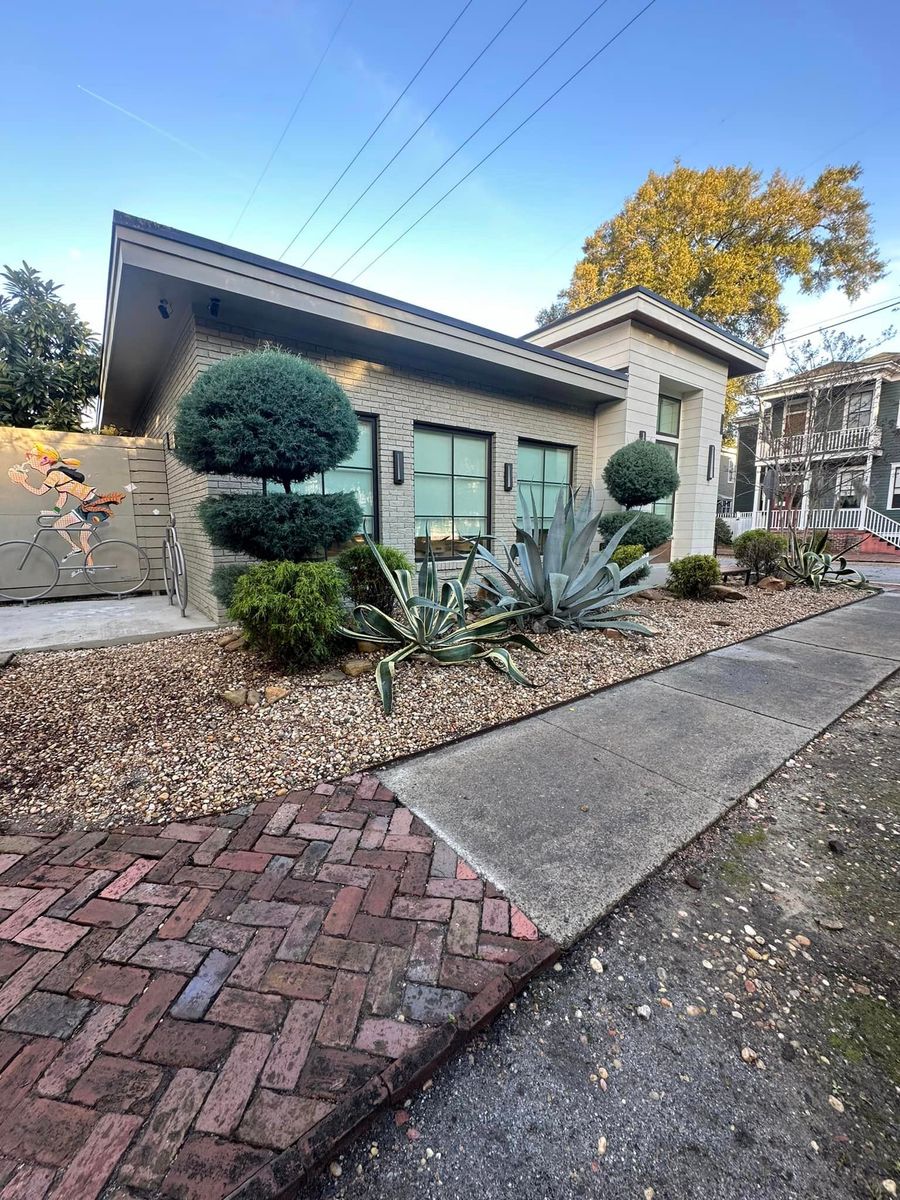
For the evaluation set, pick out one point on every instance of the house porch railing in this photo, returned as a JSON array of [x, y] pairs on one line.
[[823, 442], [861, 520]]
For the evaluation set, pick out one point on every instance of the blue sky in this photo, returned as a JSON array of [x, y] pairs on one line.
[[787, 83]]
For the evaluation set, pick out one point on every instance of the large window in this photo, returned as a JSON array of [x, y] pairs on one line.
[[849, 485], [356, 474], [668, 427], [542, 472], [894, 487], [451, 490], [858, 412]]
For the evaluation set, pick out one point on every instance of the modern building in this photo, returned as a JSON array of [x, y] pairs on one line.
[[453, 417], [823, 452]]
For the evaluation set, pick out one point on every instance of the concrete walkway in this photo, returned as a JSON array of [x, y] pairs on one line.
[[566, 812], [76, 624]]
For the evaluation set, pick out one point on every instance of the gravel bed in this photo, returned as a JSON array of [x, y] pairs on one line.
[[97, 737]]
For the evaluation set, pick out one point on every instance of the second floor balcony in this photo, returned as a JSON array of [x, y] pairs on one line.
[[822, 443]]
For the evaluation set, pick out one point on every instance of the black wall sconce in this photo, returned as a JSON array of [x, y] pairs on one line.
[[399, 472], [642, 435], [164, 311], [170, 440], [213, 307], [711, 463], [507, 477]]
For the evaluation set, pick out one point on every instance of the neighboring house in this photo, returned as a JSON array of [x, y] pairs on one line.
[[453, 417], [727, 477], [823, 451]]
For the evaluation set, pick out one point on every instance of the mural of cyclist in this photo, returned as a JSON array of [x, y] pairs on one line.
[[61, 475]]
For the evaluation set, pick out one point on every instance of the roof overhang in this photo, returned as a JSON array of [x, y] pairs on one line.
[[646, 308], [150, 262]]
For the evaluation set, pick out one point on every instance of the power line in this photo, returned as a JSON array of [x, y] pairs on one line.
[[415, 132], [428, 59], [290, 119], [824, 328], [473, 134], [510, 135]]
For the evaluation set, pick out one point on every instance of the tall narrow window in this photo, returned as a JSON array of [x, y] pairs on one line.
[[356, 474], [668, 428], [543, 471], [451, 490], [894, 487], [858, 412]]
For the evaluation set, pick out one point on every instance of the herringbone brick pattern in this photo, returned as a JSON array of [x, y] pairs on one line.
[[189, 1008]]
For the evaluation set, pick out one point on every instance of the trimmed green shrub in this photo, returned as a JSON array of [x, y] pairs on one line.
[[723, 532], [265, 415], [640, 473], [290, 610], [759, 551], [292, 527], [691, 577], [624, 556], [270, 416], [649, 529], [366, 581], [224, 577]]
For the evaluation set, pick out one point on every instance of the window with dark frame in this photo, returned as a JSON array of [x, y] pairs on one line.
[[668, 429], [355, 474], [451, 484], [543, 470], [894, 488]]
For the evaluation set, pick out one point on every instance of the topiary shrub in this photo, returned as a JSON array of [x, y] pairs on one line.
[[274, 417], [649, 529], [691, 577], [723, 532], [623, 556], [640, 473], [366, 582], [223, 579], [290, 610], [279, 527], [759, 551]]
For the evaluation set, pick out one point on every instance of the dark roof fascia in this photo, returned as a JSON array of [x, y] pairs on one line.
[[142, 225], [638, 290]]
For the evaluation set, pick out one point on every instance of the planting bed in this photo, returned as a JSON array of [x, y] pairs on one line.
[[92, 738]]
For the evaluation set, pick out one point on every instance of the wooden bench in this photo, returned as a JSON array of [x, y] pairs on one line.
[[736, 573]]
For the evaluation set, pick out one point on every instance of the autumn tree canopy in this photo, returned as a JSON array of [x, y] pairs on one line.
[[723, 242]]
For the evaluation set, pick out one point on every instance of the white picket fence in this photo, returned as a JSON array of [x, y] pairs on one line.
[[862, 520]]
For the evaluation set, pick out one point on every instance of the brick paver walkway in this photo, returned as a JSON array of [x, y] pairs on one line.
[[206, 1010]]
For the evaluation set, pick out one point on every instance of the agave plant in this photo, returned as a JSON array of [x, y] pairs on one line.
[[566, 586], [433, 624], [806, 562]]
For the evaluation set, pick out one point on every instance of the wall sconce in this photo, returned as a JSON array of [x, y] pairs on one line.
[[213, 307], [642, 435], [164, 311], [507, 477], [399, 473], [711, 463], [170, 440]]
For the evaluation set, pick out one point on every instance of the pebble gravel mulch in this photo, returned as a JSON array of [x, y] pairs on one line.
[[95, 737]]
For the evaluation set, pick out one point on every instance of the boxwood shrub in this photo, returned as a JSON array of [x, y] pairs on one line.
[[290, 610]]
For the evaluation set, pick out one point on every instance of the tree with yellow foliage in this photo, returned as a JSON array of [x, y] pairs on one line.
[[723, 242]]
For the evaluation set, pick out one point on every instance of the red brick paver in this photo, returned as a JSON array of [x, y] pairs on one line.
[[204, 1010]]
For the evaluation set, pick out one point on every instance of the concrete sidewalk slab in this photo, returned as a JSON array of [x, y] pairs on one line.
[[77, 624], [652, 760], [550, 812]]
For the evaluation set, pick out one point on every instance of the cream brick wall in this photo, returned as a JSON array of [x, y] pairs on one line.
[[398, 398]]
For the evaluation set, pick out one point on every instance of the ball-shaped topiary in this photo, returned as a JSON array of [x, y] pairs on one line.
[[649, 529], [640, 473], [272, 416], [265, 415]]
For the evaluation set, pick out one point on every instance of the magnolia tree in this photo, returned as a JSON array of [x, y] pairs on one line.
[[638, 474], [273, 417]]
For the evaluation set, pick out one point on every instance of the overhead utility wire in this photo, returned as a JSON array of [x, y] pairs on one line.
[[846, 321], [428, 59], [511, 134], [474, 133], [291, 118], [449, 92]]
